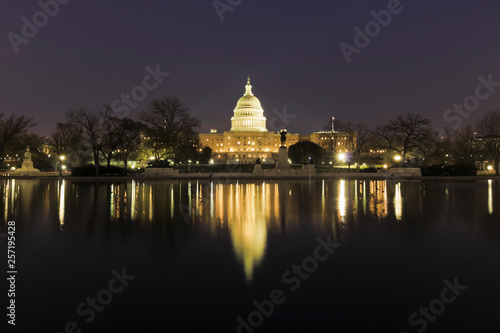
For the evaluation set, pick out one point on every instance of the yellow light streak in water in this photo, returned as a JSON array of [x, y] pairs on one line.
[[150, 203], [190, 203], [356, 197], [212, 211], [125, 201], [490, 196], [378, 198], [117, 202], [220, 213], [323, 213], [171, 201], [62, 199], [133, 202], [398, 202], [112, 201], [342, 201], [6, 194]]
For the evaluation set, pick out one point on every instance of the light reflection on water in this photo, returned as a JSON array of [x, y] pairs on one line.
[[398, 202], [490, 197], [247, 212], [62, 202]]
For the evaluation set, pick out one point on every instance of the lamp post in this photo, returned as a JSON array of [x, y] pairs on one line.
[[397, 159], [341, 157], [61, 159]]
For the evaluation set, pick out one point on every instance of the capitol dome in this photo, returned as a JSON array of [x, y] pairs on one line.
[[248, 114]]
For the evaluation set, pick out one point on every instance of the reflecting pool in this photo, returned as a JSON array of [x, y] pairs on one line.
[[264, 256]]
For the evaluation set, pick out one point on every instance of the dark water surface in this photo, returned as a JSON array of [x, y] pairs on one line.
[[203, 256]]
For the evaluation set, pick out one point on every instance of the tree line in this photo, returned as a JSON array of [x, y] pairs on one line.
[[166, 131], [411, 138]]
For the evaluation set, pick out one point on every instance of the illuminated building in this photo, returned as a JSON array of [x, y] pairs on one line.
[[333, 141], [248, 138]]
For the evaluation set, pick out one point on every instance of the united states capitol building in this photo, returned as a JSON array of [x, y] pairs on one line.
[[249, 140]]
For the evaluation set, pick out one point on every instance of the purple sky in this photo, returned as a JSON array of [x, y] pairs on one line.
[[427, 59]]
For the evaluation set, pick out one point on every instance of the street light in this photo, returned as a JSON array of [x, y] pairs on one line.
[[397, 158], [61, 159]]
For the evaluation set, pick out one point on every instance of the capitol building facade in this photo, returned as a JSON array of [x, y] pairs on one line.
[[249, 139]]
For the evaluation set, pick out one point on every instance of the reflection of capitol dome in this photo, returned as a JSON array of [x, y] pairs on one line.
[[249, 242], [248, 114], [248, 223]]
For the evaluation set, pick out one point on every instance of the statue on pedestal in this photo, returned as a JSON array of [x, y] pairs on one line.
[[27, 163], [27, 167], [283, 137]]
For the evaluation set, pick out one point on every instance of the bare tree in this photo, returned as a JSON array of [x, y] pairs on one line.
[[67, 140], [464, 146], [488, 128], [65, 136], [90, 122], [12, 129], [168, 124], [405, 134], [129, 132], [111, 134], [360, 139]]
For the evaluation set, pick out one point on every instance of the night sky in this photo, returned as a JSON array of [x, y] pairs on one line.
[[427, 59]]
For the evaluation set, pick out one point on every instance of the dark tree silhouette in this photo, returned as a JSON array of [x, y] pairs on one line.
[[169, 127], [405, 134], [12, 130], [303, 150], [90, 123]]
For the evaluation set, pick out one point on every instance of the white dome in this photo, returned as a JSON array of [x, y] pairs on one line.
[[248, 114]]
